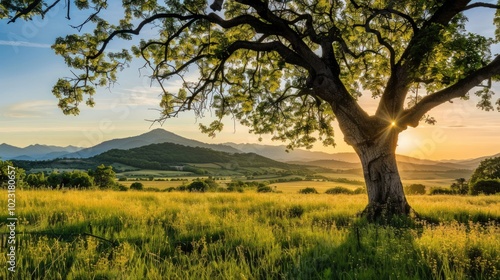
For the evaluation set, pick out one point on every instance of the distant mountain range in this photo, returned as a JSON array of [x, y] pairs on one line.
[[277, 153], [35, 152]]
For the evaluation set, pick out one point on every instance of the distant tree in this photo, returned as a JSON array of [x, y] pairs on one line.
[[460, 186], [138, 186], [308, 191], [104, 176], [487, 169], [263, 188], [81, 180], [435, 191], [290, 68], [54, 179], [198, 186], [19, 174], [36, 180], [485, 186], [66, 179], [415, 189], [339, 190]]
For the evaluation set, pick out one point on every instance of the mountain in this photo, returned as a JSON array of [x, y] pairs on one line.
[[155, 136], [35, 152]]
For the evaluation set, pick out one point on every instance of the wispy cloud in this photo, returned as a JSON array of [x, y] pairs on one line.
[[30, 109], [23, 44]]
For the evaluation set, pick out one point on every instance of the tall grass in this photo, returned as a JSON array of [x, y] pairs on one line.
[[134, 235]]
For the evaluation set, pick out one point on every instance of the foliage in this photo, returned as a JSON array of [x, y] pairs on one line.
[[36, 180], [435, 191], [201, 185], [460, 186], [415, 189], [104, 176], [487, 169], [138, 186], [198, 186], [339, 190], [19, 177], [485, 186], [264, 189], [139, 235], [67, 179], [308, 191]]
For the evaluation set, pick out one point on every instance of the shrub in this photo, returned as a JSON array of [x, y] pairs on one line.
[[359, 191], [485, 186], [339, 190], [435, 191], [138, 186], [121, 188], [198, 186], [264, 189], [308, 191], [415, 189], [296, 211]]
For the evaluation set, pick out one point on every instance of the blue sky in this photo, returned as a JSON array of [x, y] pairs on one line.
[[29, 112]]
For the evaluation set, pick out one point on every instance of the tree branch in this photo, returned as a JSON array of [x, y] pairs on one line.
[[481, 4], [392, 101], [25, 11], [412, 116]]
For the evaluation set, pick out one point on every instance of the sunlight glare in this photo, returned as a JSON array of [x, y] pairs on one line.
[[406, 143]]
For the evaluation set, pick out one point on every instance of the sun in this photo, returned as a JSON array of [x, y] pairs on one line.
[[406, 143]]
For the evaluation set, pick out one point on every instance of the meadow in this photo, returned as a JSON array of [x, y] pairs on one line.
[[146, 235]]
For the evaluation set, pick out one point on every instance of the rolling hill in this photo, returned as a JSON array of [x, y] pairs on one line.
[[168, 156], [155, 136], [165, 155]]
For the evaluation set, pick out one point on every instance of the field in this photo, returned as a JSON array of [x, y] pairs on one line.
[[144, 235]]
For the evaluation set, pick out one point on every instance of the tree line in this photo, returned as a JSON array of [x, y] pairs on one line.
[[102, 177]]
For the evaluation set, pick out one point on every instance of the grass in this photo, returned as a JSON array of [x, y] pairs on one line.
[[137, 235]]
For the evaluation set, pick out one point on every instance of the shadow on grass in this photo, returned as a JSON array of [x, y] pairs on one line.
[[369, 251]]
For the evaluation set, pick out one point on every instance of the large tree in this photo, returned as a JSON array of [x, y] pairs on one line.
[[290, 68]]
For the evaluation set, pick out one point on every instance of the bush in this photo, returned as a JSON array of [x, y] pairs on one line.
[[485, 186], [339, 190], [435, 191], [359, 191], [264, 189], [415, 189], [138, 186], [198, 186], [308, 191], [122, 188]]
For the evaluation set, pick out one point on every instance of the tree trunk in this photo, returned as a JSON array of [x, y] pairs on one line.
[[386, 198], [375, 141], [377, 153]]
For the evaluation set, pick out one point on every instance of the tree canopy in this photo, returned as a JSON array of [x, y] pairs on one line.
[[488, 169], [286, 68]]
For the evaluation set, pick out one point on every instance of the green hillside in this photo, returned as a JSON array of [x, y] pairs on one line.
[[166, 155]]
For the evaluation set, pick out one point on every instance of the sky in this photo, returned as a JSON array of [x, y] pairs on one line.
[[29, 113]]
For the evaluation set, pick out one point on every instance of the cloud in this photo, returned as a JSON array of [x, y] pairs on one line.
[[23, 44], [30, 109]]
